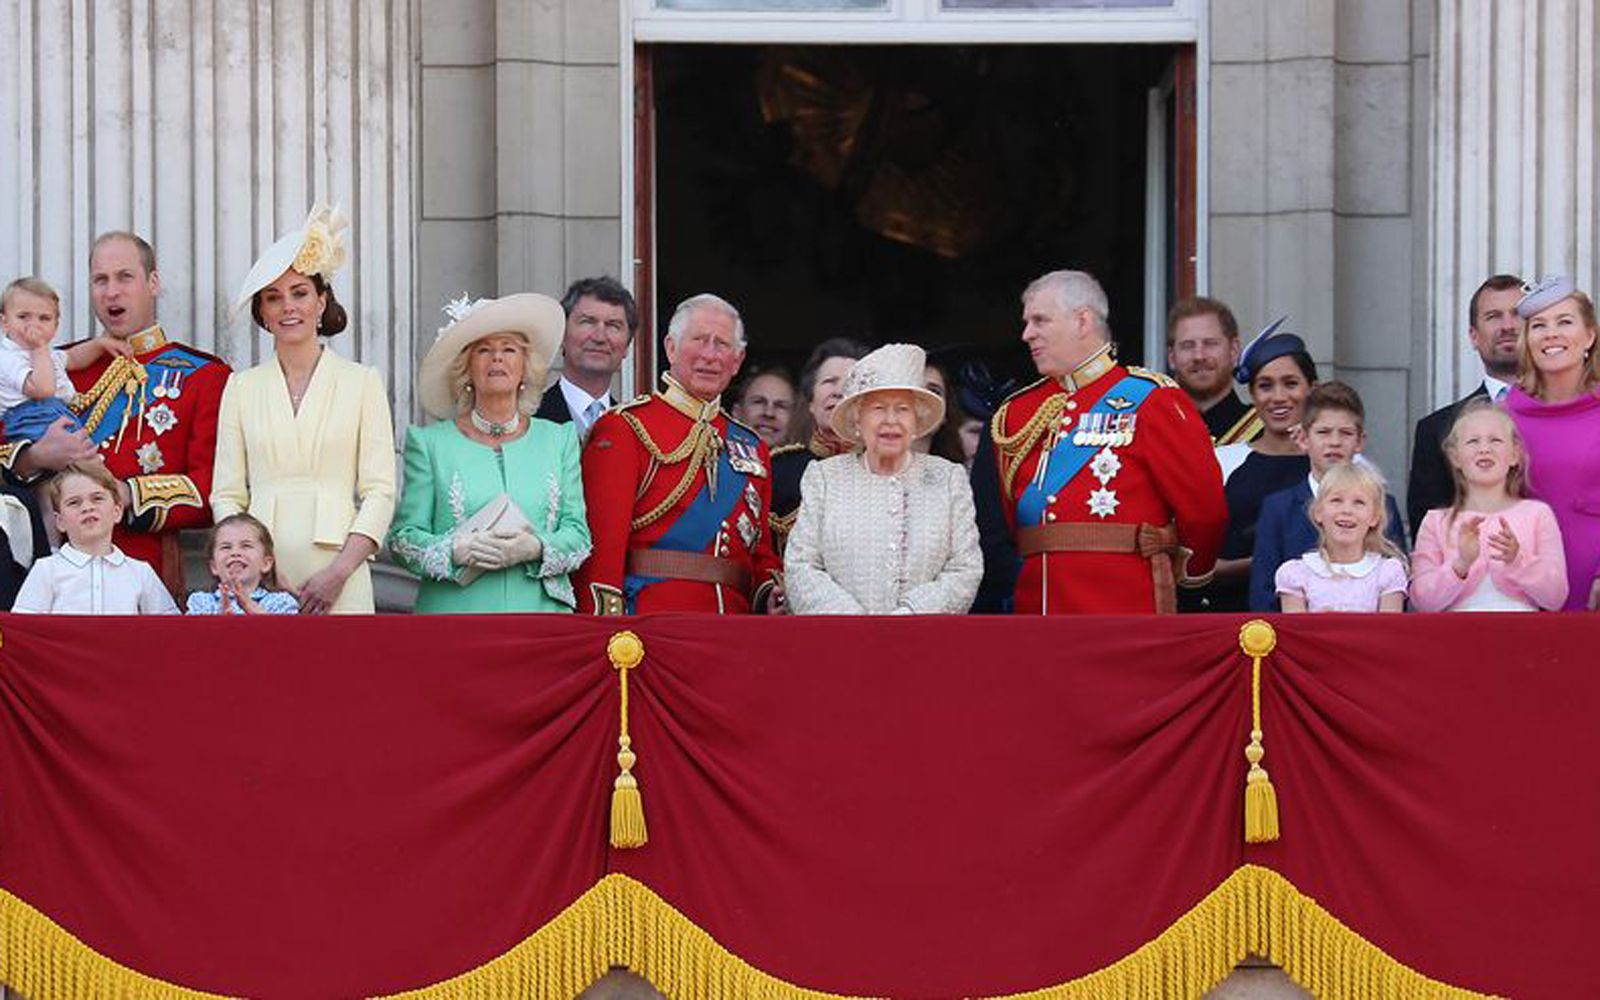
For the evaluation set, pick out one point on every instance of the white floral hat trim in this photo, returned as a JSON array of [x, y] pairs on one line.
[[317, 247]]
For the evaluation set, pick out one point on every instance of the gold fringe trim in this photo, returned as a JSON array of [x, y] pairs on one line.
[[41, 960], [621, 922], [1255, 911]]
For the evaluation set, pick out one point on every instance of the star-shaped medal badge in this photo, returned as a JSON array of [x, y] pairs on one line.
[[1105, 466], [149, 455], [161, 418], [1103, 503]]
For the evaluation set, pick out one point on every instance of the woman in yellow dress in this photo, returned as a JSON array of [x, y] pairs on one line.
[[304, 441]]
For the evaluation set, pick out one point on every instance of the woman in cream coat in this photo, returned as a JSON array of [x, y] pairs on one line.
[[304, 441], [884, 530]]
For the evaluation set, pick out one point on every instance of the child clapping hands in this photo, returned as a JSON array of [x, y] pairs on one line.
[[240, 553]]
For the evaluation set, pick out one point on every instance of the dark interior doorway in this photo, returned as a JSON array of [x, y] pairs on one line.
[[900, 192]]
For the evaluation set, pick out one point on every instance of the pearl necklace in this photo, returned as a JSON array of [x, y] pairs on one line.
[[486, 426]]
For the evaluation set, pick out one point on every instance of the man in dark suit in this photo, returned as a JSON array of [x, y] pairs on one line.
[[601, 321], [1493, 329]]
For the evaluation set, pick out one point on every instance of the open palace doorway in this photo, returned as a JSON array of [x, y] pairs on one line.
[[909, 192]]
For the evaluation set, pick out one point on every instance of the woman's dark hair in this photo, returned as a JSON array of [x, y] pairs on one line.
[[800, 425], [334, 318], [947, 439], [1302, 361]]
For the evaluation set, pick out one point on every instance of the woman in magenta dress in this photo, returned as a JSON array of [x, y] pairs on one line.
[[1556, 406]]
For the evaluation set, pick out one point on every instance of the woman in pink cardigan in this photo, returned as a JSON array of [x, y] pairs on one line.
[[1493, 549]]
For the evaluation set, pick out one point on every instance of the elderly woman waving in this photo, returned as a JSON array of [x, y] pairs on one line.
[[886, 529], [492, 515]]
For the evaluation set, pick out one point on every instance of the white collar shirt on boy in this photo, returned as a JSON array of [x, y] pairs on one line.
[[77, 583]]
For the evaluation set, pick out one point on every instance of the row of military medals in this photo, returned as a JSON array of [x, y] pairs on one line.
[[1107, 431], [159, 417]]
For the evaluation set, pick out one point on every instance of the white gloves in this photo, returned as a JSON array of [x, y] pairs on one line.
[[496, 549], [516, 547]]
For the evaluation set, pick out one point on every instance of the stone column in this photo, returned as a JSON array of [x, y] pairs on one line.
[[1318, 115], [1515, 173], [209, 128], [1272, 164], [521, 139]]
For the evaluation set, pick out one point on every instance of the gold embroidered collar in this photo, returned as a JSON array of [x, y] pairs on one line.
[[151, 338], [1099, 363], [687, 403]]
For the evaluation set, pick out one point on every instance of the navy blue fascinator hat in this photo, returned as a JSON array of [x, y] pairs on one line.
[[1268, 345]]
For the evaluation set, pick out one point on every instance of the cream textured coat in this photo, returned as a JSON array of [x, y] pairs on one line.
[[312, 477], [877, 545]]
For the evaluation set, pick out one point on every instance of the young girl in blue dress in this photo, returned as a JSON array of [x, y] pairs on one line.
[[240, 553]]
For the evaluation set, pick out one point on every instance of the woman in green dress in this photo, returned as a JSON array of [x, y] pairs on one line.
[[492, 517]]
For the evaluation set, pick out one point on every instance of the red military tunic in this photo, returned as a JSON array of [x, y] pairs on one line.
[[644, 470], [1153, 465], [165, 453]]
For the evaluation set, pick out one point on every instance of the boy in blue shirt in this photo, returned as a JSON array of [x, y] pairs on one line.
[[1332, 430]]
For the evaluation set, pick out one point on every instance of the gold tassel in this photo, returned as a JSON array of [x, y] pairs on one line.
[[627, 804], [1257, 639]]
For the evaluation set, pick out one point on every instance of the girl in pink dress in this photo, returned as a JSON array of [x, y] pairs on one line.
[[1354, 567], [1493, 549]]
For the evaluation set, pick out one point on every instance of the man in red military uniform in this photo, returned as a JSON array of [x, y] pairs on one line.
[[151, 417], [677, 492], [1106, 473]]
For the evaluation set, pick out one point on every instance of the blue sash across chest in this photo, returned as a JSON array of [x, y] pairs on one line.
[[169, 369], [1068, 458], [697, 526]]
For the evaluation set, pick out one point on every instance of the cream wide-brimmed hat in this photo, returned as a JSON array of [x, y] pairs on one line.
[[317, 247], [892, 366], [536, 318]]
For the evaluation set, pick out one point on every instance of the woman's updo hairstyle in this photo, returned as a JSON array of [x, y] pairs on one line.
[[334, 318]]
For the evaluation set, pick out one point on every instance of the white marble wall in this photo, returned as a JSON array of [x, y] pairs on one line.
[[209, 127]]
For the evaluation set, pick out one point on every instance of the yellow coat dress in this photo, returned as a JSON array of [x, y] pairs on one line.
[[311, 477]]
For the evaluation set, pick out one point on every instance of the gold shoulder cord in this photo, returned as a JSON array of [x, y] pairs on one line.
[[118, 376], [699, 447], [1011, 449]]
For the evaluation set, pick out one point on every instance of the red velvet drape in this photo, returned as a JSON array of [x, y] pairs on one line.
[[949, 807]]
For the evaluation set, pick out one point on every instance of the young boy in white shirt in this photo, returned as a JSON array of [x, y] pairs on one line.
[[35, 389], [90, 575]]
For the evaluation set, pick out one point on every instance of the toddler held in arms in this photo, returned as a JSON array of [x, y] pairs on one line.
[[1494, 549], [90, 575], [35, 391], [1354, 567], [240, 554]]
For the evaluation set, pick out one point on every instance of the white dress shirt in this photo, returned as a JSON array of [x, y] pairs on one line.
[[578, 402], [76, 583]]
